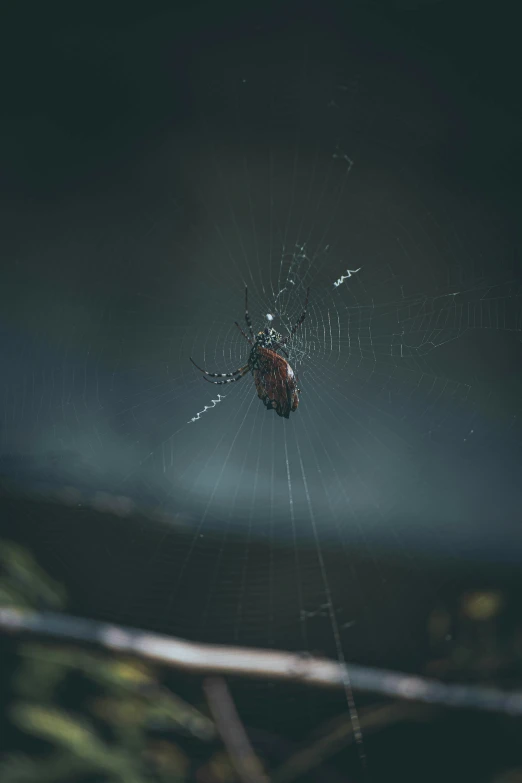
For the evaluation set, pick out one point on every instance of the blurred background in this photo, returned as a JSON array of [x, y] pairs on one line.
[[155, 160]]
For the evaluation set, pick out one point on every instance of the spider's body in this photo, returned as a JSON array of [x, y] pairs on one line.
[[275, 381], [268, 338]]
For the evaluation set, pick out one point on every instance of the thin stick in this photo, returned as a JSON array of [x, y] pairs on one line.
[[317, 751], [232, 732], [261, 664]]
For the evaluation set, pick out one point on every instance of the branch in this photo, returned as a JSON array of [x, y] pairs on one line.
[[264, 664], [233, 734], [317, 751]]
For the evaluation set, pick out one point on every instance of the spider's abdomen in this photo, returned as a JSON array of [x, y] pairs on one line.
[[275, 382]]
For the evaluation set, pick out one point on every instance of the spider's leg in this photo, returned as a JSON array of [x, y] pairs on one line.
[[279, 346], [303, 314], [284, 340], [247, 317], [230, 380], [218, 374], [242, 332]]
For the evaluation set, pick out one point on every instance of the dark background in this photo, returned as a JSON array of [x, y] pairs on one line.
[[153, 161]]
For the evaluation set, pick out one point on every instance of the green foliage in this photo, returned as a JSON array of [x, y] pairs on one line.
[[111, 731], [23, 583]]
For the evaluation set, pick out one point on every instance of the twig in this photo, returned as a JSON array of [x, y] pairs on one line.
[[370, 719], [265, 664], [233, 734]]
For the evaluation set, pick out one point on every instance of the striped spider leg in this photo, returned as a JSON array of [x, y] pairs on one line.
[[229, 375], [247, 316], [299, 322]]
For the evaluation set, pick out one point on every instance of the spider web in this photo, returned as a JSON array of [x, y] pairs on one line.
[[406, 396]]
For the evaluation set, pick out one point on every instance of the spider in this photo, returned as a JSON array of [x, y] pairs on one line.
[[275, 381]]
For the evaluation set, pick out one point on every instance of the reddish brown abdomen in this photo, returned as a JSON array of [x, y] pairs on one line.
[[276, 383]]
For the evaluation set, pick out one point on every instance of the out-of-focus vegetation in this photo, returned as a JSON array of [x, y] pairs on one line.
[[471, 639], [101, 717], [75, 714], [24, 584]]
